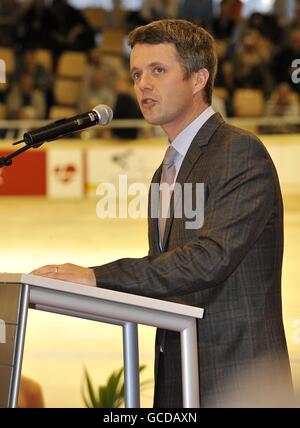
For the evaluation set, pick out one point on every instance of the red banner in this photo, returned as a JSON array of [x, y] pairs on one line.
[[26, 175]]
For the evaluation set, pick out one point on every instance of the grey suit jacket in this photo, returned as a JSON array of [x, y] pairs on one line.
[[231, 266]]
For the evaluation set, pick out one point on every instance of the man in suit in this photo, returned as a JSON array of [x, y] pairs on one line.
[[231, 264]]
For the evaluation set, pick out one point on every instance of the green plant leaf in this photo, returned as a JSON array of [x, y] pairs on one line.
[[114, 388], [110, 395], [103, 400], [87, 404], [90, 389]]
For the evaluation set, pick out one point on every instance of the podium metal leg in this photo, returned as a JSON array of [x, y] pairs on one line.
[[189, 367], [19, 347], [131, 365]]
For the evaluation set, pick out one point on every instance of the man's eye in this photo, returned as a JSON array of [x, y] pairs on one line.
[[159, 70], [136, 75]]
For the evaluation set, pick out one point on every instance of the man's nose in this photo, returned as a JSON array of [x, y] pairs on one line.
[[145, 83]]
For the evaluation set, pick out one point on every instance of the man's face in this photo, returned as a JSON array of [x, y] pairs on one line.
[[165, 97]]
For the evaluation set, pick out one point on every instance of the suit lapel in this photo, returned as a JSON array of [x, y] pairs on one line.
[[192, 156]]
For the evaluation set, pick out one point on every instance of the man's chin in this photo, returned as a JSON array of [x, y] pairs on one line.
[[152, 120]]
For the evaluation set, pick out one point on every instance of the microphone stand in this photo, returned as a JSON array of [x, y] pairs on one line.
[[62, 128], [7, 160]]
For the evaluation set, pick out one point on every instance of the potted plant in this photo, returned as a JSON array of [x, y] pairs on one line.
[[109, 395]]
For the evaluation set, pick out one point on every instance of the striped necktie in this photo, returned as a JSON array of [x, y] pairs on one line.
[[166, 188]]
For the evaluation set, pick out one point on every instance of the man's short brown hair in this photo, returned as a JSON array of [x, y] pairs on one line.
[[195, 46]]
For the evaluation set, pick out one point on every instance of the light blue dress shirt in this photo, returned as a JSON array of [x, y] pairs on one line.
[[184, 139]]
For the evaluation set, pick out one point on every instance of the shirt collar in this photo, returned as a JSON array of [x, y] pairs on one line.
[[183, 140]]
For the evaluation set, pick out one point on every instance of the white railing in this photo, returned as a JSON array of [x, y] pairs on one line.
[[16, 128]]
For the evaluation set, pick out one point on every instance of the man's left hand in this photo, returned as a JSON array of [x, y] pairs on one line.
[[67, 272]]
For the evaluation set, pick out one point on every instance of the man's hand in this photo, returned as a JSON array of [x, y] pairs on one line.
[[67, 272]]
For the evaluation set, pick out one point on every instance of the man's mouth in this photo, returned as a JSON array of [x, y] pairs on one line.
[[148, 101]]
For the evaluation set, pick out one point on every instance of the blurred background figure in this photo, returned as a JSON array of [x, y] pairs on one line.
[[68, 29], [42, 78], [200, 11], [125, 108], [109, 66], [96, 92], [23, 95], [240, 24], [152, 10], [158, 9], [224, 23], [283, 102], [34, 26], [295, 21], [267, 25], [219, 104], [9, 14], [251, 63]]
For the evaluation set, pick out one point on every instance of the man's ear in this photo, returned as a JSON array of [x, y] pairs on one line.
[[200, 80]]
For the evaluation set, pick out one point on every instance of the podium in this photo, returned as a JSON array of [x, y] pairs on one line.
[[18, 292]]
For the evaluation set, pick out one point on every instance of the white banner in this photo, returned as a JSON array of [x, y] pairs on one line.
[[106, 164], [65, 173]]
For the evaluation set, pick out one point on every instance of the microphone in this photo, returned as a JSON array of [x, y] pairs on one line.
[[101, 114]]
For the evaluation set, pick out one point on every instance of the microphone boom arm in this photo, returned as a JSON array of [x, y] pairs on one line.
[[34, 138], [7, 160]]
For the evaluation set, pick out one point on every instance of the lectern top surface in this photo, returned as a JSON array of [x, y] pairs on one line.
[[110, 295]]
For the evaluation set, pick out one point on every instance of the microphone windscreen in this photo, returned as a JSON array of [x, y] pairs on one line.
[[104, 113]]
